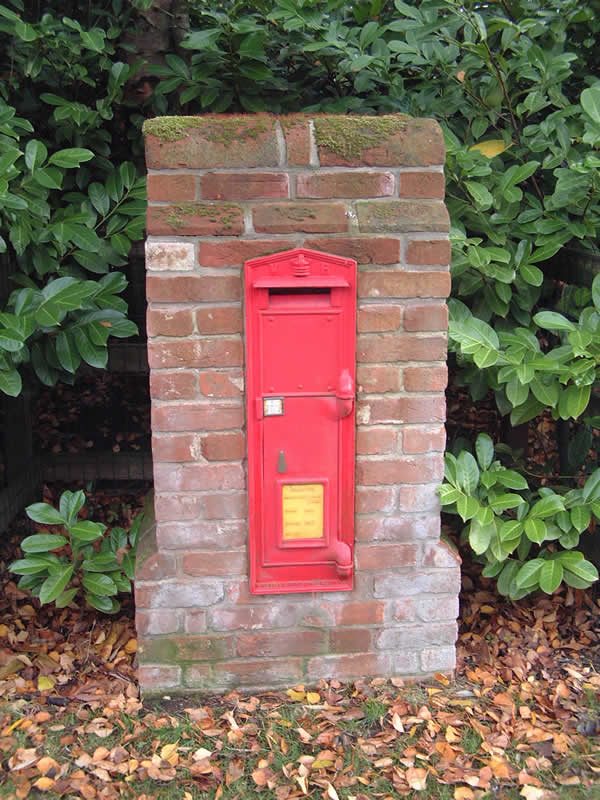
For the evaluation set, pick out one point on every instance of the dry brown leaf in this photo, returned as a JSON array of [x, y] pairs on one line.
[[416, 778]]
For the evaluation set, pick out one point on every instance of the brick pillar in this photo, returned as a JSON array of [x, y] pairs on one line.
[[222, 190]]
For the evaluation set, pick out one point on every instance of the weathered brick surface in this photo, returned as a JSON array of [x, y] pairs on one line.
[[365, 188]]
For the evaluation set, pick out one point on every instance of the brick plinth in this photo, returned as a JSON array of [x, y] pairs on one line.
[[224, 189]]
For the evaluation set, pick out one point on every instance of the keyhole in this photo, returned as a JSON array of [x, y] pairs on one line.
[[281, 465]]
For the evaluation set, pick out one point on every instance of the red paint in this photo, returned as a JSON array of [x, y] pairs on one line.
[[300, 349]]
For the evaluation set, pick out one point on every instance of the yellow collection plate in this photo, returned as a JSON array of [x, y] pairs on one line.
[[302, 510]]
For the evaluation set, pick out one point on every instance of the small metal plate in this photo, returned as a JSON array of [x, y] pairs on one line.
[[302, 507], [273, 406]]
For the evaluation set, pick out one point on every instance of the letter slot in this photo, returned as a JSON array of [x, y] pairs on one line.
[[300, 381]]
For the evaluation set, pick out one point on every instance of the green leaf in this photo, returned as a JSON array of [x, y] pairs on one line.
[[467, 506], [507, 576], [510, 479], [528, 575], [550, 576], [535, 530], [504, 501], [10, 382], [32, 565], [45, 513], [99, 198], [60, 296], [467, 472], [552, 321], [531, 274], [545, 392], [65, 598], [484, 447], [55, 584], [100, 602], [530, 409], [70, 504], [573, 401], [67, 353], [480, 194], [547, 506], [86, 531], [510, 530], [480, 536], [42, 543], [35, 154], [581, 517], [70, 157], [128, 565], [448, 494], [93, 39], [590, 101], [100, 562], [591, 488], [99, 584]]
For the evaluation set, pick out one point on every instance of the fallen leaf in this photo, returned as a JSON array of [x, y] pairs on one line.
[[416, 778], [331, 792]]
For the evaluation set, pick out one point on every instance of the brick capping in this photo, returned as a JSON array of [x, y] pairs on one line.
[[224, 189]]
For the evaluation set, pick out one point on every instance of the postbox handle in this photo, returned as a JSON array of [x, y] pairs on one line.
[[342, 555], [345, 394]]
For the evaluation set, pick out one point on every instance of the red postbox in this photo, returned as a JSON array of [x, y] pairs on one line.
[[300, 388]]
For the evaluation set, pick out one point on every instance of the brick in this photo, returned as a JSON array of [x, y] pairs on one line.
[[391, 555], [422, 184], [427, 409], [244, 185], [156, 622], [349, 184], [404, 610], [258, 674], [297, 135], [183, 536], [224, 446], [252, 618], [169, 323], [195, 219], [345, 667], [281, 643], [441, 554], [203, 648], [369, 612], [226, 506], [219, 319], [376, 441], [198, 477], [210, 141], [235, 252], [400, 347], [418, 469], [158, 677], [429, 317], [155, 567], [350, 640], [422, 440], [377, 379], [387, 141], [173, 385], [401, 528], [293, 217], [384, 283], [428, 253], [197, 416], [165, 256], [173, 507], [225, 383], [198, 676], [411, 584], [419, 498], [200, 352], [177, 188], [432, 608], [364, 250], [369, 500], [188, 289], [185, 447], [209, 562], [425, 379], [438, 659], [413, 636], [403, 663], [401, 216], [195, 620], [378, 318], [178, 594]]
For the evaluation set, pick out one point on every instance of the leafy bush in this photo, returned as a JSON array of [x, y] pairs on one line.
[[77, 566]]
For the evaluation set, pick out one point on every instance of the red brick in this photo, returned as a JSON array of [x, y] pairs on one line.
[[155, 567], [258, 674], [350, 184], [428, 253], [344, 667], [172, 507], [292, 217], [384, 283], [404, 610], [221, 384], [198, 676], [176, 188], [435, 607], [203, 648], [297, 139], [235, 252], [385, 555], [197, 417], [364, 250], [179, 594], [426, 317], [232, 505], [281, 643], [369, 612], [246, 618], [198, 477], [158, 677], [244, 185], [378, 318], [224, 446], [378, 378], [425, 408], [422, 184], [376, 441], [169, 323], [190, 288], [350, 640], [441, 554], [401, 216], [203, 352], [370, 499], [425, 379], [182, 536], [219, 319], [157, 621], [209, 141], [195, 620], [409, 143], [414, 636], [419, 469], [422, 440], [209, 562], [420, 498], [402, 528], [173, 385], [184, 447], [195, 219], [400, 347], [438, 659]]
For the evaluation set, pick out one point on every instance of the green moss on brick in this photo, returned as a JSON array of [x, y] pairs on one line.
[[348, 136], [222, 130], [224, 213]]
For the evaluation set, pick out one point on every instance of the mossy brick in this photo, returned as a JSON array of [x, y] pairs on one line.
[[211, 141], [157, 650], [296, 130], [393, 140], [203, 648], [351, 184], [195, 219], [401, 216], [312, 217]]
